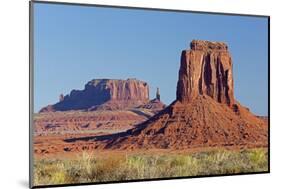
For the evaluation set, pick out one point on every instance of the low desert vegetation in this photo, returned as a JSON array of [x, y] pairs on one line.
[[94, 168]]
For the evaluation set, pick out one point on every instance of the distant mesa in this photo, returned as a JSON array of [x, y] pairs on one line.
[[104, 104], [205, 112], [100, 91], [105, 94]]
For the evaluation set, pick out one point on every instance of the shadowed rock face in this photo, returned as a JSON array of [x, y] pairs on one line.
[[100, 91], [206, 69]]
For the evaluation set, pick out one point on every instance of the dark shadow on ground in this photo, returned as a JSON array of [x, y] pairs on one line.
[[98, 138], [141, 113]]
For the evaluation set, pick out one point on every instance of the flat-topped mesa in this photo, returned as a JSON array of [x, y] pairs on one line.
[[206, 69], [117, 92]]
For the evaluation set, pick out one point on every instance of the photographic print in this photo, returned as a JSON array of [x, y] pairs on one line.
[[124, 94]]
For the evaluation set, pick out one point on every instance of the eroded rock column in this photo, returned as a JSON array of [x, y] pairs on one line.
[[206, 69]]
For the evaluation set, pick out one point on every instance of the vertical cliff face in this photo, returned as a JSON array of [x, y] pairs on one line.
[[112, 93], [206, 69], [130, 89]]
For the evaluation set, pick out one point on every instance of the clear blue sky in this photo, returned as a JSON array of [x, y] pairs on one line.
[[74, 44]]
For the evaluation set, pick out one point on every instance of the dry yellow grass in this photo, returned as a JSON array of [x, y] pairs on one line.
[[92, 168]]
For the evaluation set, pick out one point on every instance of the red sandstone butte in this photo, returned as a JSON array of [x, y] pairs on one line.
[[206, 69], [205, 113]]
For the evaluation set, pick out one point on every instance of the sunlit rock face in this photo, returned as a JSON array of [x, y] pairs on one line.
[[206, 69]]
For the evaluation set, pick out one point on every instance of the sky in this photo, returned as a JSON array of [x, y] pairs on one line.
[[75, 44]]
